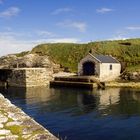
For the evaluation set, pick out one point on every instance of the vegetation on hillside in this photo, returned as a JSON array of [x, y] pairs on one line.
[[69, 54]]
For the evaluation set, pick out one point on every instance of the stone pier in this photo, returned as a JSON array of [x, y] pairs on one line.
[[29, 77], [16, 125]]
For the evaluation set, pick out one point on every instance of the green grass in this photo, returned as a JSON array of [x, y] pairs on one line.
[[69, 54], [135, 68]]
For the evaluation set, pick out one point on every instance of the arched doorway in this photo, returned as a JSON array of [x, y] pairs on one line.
[[89, 68]]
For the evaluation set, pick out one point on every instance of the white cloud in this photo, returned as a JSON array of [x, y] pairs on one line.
[[117, 38], [62, 40], [45, 33], [10, 43], [133, 28], [104, 10], [61, 10], [12, 11], [80, 26]]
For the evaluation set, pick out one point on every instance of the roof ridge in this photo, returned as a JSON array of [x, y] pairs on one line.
[[94, 57]]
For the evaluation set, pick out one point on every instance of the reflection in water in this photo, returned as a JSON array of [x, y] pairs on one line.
[[82, 114], [109, 97], [87, 102]]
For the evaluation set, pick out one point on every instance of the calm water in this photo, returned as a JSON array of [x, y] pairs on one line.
[[81, 114]]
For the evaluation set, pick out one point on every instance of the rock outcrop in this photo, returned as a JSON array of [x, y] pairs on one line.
[[131, 76], [28, 61]]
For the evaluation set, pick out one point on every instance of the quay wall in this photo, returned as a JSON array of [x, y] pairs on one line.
[[29, 77], [16, 125]]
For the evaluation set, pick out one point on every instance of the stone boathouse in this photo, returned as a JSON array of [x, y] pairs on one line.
[[104, 67]]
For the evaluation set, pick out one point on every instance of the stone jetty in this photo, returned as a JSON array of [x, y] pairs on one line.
[[16, 125]]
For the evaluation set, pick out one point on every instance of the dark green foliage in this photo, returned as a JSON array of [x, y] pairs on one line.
[[22, 54], [69, 54]]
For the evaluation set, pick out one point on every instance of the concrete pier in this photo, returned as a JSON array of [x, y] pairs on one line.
[[25, 77], [88, 82]]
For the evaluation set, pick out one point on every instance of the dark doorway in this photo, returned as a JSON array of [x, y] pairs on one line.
[[89, 68]]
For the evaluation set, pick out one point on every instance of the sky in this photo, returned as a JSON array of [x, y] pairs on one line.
[[26, 23]]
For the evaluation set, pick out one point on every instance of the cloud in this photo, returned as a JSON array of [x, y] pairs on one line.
[[10, 12], [10, 42], [104, 10], [133, 28], [61, 40], [80, 26], [9, 45], [117, 38], [45, 33], [1, 1], [61, 10]]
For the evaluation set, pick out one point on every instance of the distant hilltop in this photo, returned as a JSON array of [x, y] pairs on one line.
[[67, 55]]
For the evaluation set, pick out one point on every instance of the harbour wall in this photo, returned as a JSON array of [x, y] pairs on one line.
[[28, 77], [15, 124]]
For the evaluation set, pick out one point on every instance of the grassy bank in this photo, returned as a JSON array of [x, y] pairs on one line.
[[69, 54]]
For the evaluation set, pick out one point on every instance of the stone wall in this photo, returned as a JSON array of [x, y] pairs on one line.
[[86, 59], [16, 125], [30, 77]]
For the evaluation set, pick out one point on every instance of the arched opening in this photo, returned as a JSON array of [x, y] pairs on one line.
[[89, 68]]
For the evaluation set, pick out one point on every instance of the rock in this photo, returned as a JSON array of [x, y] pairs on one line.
[[13, 123], [26, 136], [5, 132], [9, 137], [42, 137], [3, 119], [131, 76], [17, 116], [28, 61], [1, 125], [6, 61]]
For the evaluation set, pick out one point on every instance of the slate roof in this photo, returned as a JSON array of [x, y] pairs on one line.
[[105, 59]]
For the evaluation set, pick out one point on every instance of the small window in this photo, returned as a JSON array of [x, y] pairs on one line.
[[110, 67]]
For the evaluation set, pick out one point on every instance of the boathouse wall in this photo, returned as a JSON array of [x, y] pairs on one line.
[[109, 71], [88, 58]]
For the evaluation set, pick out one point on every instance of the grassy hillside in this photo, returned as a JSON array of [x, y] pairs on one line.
[[69, 54]]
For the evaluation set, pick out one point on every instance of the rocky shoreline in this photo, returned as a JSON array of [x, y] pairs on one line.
[[125, 84], [16, 125]]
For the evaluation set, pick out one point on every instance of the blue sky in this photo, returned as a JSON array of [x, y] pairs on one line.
[[26, 23]]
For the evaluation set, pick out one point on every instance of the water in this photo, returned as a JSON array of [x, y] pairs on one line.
[[77, 114]]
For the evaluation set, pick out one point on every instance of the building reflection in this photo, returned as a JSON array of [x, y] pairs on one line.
[[109, 97], [76, 102], [87, 102]]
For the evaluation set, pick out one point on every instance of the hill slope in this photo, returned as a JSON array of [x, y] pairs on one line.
[[69, 54]]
